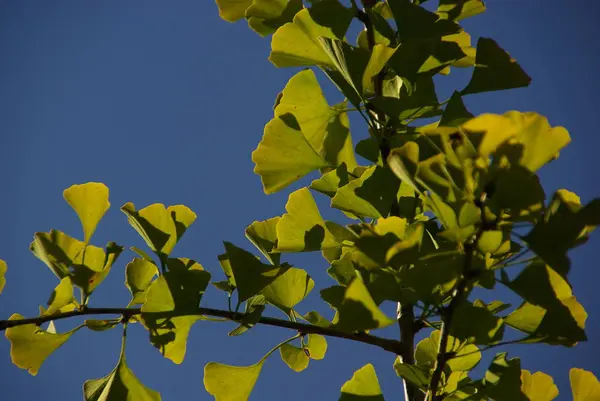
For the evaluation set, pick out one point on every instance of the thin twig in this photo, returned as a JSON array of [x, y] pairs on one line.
[[384, 343]]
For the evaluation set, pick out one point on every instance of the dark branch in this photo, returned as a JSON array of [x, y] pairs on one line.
[[384, 343]]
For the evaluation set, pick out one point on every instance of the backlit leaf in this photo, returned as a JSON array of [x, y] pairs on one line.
[[61, 297], [2, 275], [90, 202], [294, 357], [231, 383], [495, 70], [233, 10], [413, 374], [254, 309], [356, 308], [160, 227], [101, 325], [326, 128], [251, 276], [179, 289], [297, 43], [288, 289], [265, 16], [317, 346], [57, 250], [584, 385], [459, 9], [284, 155], [120, 384], [263, 235], [371, 195], [538, 386], [30, 345], [363, 385], [302, 229], [139, 274], [329, 182], [465, 358], [503, 379]]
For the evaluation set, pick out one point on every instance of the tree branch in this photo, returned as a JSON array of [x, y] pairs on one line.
[[384, 343]]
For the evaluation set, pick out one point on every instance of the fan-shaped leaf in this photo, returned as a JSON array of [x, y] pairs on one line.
[[231, 383], [363, 386], [538, 386], [294, 357], [90, 202], [584, 385], [139, 274]]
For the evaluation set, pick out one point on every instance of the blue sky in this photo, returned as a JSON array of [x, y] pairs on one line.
[[164, 102]]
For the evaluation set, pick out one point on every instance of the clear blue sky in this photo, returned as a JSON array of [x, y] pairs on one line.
[[164, 102]]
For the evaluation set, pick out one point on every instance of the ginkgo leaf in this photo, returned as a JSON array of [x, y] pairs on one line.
[[251, 276], [502, 380], [538, 386], [92, 266], [414, 374], [378, 59], [284, 155], [119, 384], [265, 16], [2, 275], [233, 10], [465, 356], [294, 357], [329, 182], [326, 128], [288, 289], [584, 385], [179, 289], [371, 195], [57, 250], [263, 235], [356, 309], [101, 325], [30, 345], [494, 70], [138, 277], [61, 297], [90, 202], [363, 385], [302, 229], [297, 43], [255, 306], [161, 227], [231, 383], [459, 9], [404, 161], [316, 346]]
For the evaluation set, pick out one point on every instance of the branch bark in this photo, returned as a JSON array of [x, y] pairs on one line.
[[383, 343]]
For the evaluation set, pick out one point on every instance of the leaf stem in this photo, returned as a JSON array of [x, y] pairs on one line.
[[383, 343]]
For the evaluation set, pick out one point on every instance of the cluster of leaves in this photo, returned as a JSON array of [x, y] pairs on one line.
[[443, 208]]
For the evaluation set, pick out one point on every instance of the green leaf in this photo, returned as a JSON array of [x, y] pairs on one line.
[[57, 250], [371, 195], [415, 22], [502, 380], [459, 9], [119, 384], [494, 70], [297, 43], [3, 268], [265, 16], [421, 102], [465, 358], [562, 318], [356, 309], [302, 229], [288, 289], [160, 227], [378, 59], [263, 235], [315, 318], [139, 274], [231, 383], [326, 128], [180, 289], [62, 298], [413, 374], [487, 330], [294, 357], [30, 345], [93, 265], [538, 386], [562, 228], [584, 385], [363, 386], [251, 276], [329, 182], [404, 161], [284, 155], [233, 10], [342, 270], [316, 346], [455, 112], [254, 309], [101, 325], [90, 202]]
